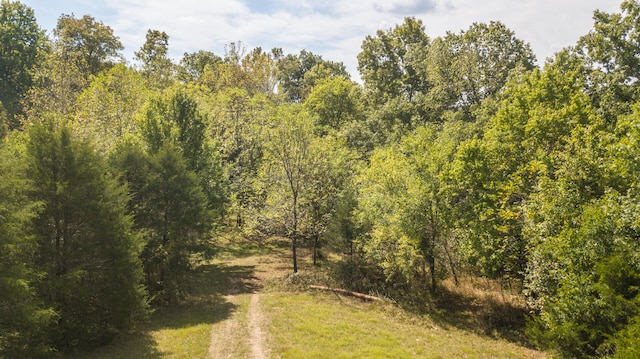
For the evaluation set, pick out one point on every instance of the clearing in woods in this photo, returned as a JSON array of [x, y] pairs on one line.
[[244, 304]]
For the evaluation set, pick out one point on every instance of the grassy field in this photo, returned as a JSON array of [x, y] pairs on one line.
[[311, 325], [216, 319]]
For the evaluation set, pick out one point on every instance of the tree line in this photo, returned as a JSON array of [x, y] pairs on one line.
[[456, 156]]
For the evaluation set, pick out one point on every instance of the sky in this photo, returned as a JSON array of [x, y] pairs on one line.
[[333, 29]]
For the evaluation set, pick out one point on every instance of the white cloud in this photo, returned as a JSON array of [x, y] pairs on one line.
[[333, 29]]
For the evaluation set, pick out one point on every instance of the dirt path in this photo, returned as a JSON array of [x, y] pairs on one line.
[[256, 323], [242, 334]]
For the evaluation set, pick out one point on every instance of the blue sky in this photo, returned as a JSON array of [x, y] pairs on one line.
[[334, 29]]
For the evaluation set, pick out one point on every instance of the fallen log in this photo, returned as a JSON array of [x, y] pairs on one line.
[[346, 292]]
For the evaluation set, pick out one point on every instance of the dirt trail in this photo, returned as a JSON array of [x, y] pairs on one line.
[[243, 333], [256, 322]]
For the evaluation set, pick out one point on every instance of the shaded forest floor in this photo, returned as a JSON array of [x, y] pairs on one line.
[[245, 304]]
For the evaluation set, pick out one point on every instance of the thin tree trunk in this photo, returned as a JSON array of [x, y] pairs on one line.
[[432, 268], [316, 239], [453, 270], [295, 233], [293, 251]]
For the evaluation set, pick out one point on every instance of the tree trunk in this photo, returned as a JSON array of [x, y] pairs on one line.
[[293, 251], [432, 268], [452, 265], [295, 233], [239, 219], [316, 239]]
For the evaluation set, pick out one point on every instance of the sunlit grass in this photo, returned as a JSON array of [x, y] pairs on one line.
[[302, 324], [318, 325]]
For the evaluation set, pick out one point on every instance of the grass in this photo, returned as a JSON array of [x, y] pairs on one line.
[[178, 331], [303, 324], [311, 325]]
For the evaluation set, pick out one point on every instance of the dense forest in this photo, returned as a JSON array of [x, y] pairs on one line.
[[455, 156]]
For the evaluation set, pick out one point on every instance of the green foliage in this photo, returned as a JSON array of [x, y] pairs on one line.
[[403, 203], [87, 253], [394, 78], [583, 271], [467, 68], [89, 43], [237, 126], [285, 171], [154, 61], [596, 281], [23, 318], [337, 102], [58, 81], [174, 120], [610, 50], [474, 162], [106, 109], [176, 183], [389, 63], [298, 74], [254, 72], [626, 341], [170, 209], [193, 65], [23, 46]]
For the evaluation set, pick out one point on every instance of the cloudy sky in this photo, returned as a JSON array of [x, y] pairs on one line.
[[334, 29]]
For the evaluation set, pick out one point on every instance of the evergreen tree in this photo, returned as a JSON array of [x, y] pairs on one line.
[[87, 252], [23, 318], [170, 208]]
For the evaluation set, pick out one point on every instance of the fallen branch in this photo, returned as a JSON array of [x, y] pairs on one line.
[[346, 292]]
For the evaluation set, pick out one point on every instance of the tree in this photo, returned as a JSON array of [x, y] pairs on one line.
[[176, 120], [395, 81], [23, 46], [87, 252], [81, 49], [237, 126], [389, 63], [388, 187], [105, 110], [583, 274], [176, 181], [254, 72], [261, 70], [24, 320], [403, 205], [91, 44], [293, 71], [609, 51], [193, 65], [58, 81], [337, 102], [154, 61], [170, 208], [526, 138], [287, 151], [467, 68], [328, 181]]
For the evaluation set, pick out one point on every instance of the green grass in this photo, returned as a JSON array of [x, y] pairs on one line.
[[314, 325], [303, 324], [176, 332]]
